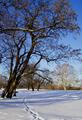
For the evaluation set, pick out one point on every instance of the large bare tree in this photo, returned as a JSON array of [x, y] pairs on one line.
[[30, 31]]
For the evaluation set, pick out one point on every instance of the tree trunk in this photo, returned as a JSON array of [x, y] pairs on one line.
[[64, 87], [38, 87], [14, 94], [32, 87], [9, 90], [5, 91], [14, 81], [28, 85]]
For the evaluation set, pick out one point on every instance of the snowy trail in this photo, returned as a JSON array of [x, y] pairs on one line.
[[26, 109], [34, 114], [46, 105]]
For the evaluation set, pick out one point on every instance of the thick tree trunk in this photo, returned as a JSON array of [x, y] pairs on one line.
[[5, 91], [9, 90], [11, 87]]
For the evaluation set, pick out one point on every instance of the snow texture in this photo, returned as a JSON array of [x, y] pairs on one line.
[[43, 105]]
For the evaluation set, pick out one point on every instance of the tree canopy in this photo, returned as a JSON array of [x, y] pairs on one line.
[[30, 31]]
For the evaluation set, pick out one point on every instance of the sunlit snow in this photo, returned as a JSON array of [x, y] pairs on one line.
[[42, 105]]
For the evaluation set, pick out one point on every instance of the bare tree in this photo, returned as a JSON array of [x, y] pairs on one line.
[[31, 31], [65, 75], [42, 78], [34, 77]]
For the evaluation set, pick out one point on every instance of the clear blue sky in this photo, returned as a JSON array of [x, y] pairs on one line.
[[76, 43]]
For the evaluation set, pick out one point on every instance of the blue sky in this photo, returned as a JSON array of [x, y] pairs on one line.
[[77, 41], [73, 40]]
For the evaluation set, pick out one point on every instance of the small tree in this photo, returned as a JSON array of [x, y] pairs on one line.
[[65, 75]]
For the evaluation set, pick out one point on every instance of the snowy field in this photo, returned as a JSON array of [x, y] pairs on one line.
[[43, 105]]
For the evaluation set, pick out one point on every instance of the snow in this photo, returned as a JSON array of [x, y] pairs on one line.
[[42, 105], [14, 114]]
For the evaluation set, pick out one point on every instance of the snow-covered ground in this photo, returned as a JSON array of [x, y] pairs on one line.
[[43, 105]]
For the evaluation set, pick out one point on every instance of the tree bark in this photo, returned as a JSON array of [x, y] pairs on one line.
[[38, 87], [9, 90], [5, 91], [28, 85], [32, 86]]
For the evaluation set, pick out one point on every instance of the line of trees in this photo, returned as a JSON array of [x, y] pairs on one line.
[[30, 31]]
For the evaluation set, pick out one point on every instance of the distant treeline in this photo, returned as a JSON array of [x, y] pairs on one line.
[[52, 87], [60, 87], [37, 85]]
